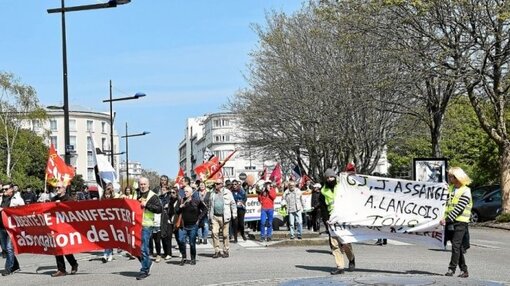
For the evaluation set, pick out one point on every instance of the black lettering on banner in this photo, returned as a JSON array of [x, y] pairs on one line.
[[382, 184], [350, 180], [398, 187], [370, 201], [408, 188]]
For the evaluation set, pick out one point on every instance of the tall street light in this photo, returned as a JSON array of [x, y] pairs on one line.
[[111, 100], [62, 10], [127, 149]]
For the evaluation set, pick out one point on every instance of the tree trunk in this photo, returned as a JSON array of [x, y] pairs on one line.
[[505, 177]]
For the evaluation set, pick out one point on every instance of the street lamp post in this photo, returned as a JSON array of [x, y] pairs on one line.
[[127, 149], [63, 9], [111, 100]]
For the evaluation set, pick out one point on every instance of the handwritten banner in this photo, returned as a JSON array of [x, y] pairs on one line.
[[60, 228], [253, 205], [369, 207]]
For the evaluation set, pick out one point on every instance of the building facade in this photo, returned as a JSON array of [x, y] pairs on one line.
[[221, 133], [85, 127], [135, 170]]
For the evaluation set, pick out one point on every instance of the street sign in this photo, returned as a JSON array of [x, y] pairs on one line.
[[242, 176], [69, 148]]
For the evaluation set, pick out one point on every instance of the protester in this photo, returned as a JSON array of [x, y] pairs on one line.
[[163, 182], [108, 195], [316, 208], [29, 196], [151, 205], [266, 198], [293, 200], [456, 218], [192, 210], [328, 191], [222, 209], [203, 224], [8, 200], [62, 196], [45, 196], [166, 225], [240, 199]]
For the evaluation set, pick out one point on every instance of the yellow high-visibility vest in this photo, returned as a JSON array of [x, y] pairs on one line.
[[148, 216], [453, 200]]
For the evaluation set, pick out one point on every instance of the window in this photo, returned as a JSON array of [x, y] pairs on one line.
[[90, 174], [72, 141], [90, 160], [53, 140], [222, 138], [89, 144], [53, 125], [103, 127], [72, 125], [90, 125], [228, 171], [221, 123], [103, 144]]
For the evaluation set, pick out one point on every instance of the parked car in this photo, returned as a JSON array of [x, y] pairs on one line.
[[487, 206], [479, 192]]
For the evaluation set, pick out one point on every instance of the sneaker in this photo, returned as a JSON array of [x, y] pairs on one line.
[[352, 264], [110, 258], [74, 269], [59, 274], [142, 276], [449, 273], [262, 239], [216, 255], [337, 271], [268, 239], [204, 241], [244, 237], [292, 237], [183, 261], [225, 254], [168, 257], [104, 260], [464, 274], [7, 273], [299, 237], [235, 240], [158, 259], [193, 262]]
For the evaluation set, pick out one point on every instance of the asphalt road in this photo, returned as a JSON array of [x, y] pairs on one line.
[[252, 263]]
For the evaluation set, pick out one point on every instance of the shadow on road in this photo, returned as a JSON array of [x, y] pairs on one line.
[[127, 273], [318, 251], [328, 269]]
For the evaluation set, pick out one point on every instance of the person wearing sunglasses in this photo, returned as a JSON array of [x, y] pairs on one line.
[[6, 201]]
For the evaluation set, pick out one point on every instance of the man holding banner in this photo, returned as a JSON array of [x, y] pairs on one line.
[[8, 200], [328, 191]]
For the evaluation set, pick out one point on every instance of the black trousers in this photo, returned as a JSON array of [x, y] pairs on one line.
[[61, 264], [457, 258], [315, 219], [239, 223], [166, 239], [155, 241]]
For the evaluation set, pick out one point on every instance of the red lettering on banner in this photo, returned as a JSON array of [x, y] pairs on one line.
[[73, 227]]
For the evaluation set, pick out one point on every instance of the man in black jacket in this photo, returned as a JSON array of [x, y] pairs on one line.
[[62, 196]]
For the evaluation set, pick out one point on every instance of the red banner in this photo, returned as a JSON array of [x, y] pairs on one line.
[[60, 228]]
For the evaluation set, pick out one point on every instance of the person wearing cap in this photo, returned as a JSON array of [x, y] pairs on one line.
[[266, 198], [456, 218], [316, 208], [8, 200], [328, 191], [222, 209]]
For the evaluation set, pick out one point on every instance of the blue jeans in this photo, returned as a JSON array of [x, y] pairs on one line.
[[266, 215], [145, 259], [189, 231], [108, 252], [296, 217], [6, 243], [203, 232]]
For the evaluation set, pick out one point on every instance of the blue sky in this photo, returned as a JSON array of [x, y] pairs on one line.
[[189, 57]]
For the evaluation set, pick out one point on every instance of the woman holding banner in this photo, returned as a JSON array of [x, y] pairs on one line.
[[456, 218]]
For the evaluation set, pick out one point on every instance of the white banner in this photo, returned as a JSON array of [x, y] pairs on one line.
[[253, 205], [369, 207]]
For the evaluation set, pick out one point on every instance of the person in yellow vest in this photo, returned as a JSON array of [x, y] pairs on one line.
[[151, 205], [331, 186], [456, 217]]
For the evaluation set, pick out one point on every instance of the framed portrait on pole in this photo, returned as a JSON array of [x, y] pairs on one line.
[[430, 169]]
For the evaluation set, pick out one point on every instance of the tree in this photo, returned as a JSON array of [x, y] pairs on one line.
[[19, 107], [153, 177], [310, 94]]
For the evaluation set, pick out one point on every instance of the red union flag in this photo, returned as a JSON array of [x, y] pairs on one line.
[[276, 174], [61, 228], [57, 170], [209, 170], [180, 177]]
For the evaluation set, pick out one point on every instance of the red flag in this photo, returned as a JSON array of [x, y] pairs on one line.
[[217, 169], [180, 177], [276, 174], [209, 170], [57, 170], [303, 181]]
